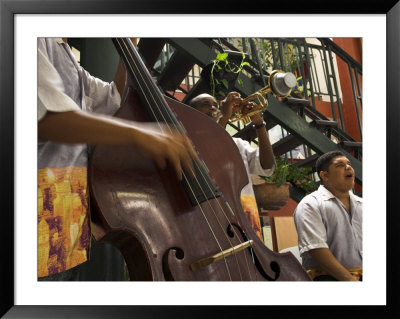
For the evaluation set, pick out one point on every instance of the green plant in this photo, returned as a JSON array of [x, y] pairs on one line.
[[222, 64], [300, 87], [297, 176], [269, 52]]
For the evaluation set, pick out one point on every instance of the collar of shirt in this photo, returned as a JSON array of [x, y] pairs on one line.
[[59, 40], [354, 197], [327, 195]]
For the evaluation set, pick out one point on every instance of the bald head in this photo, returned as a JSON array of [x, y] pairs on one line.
[[200, 98], [206, 104]]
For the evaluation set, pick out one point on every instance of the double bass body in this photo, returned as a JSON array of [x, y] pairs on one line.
[[146, 213]]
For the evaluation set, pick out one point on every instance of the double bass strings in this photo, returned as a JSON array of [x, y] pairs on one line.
[[179, 125], [132, 63], [157, 95]]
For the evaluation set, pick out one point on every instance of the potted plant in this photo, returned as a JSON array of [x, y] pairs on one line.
[[223, 72], [273, 192]]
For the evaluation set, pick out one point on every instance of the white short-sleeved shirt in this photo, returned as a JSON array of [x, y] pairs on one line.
[[322, 221], [251, 160], [63, 86]]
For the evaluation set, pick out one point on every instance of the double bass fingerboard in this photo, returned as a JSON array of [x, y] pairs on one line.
[[198, 189]]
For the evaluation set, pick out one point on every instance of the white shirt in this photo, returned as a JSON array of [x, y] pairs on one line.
[[322, 221], [251, 161], [63, 85], [78, 87]]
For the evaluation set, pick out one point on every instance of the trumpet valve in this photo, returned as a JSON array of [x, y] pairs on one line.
[[246, 119]]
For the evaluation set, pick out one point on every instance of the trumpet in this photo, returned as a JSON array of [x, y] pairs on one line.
[[280, 83]]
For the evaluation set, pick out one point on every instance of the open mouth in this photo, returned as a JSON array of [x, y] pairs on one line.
[[348, 176]]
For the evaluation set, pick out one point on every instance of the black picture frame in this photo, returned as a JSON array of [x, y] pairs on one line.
[[8, 10]]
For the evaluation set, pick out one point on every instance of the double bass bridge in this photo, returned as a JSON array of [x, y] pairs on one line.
[[226, 253]]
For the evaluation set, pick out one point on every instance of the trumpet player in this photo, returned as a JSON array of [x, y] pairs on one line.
[[257, 161]]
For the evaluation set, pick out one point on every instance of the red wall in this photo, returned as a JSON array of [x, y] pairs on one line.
[[353, 46]]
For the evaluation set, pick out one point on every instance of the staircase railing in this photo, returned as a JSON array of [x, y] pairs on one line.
[[316, 70]]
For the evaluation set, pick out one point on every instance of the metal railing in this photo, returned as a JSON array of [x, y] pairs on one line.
[[314, 62], [315, 66]]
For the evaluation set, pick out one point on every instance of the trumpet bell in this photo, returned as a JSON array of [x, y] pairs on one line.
[[283, 83]]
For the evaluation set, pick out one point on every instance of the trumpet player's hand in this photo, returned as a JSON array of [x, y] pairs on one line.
[[228, 105], [248, 108]]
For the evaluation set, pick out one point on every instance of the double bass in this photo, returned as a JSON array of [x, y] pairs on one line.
[[171, 230]]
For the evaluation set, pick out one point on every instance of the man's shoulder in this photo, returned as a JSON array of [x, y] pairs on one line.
[[51, 47], [238, 140], [312, 197], [50, 42], [241, 144], [312, 201], [356, 198]]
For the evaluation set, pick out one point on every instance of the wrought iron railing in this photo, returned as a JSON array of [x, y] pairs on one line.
[[314, 61]]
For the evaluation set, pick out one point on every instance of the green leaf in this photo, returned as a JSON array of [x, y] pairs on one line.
[[221, 93], [222, 56], [240, 82], [225, 83], [282, 177]]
